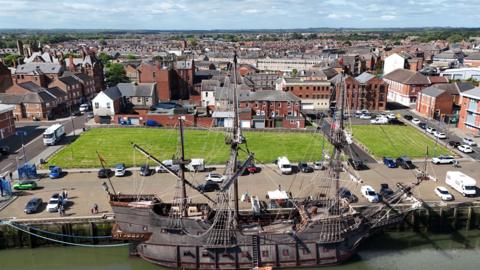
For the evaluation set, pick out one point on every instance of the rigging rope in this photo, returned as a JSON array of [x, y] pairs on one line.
[[68, 235]]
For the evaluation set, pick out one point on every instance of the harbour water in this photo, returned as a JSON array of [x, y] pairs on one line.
[[393, 250]]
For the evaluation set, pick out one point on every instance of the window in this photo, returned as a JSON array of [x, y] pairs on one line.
[[153, 74], [265, 253], [206, 94], [139, 99], [108, 105]]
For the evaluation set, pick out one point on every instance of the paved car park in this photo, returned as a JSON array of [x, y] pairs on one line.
[[85, 189]]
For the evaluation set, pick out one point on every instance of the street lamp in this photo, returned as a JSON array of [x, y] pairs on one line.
[[22, 133]]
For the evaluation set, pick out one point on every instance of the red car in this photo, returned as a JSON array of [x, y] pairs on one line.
[[253, 169]]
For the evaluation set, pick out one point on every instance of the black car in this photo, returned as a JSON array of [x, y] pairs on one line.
[[356, 164], [454, 144], [4, 149], [408, 117], [395, 121], [208, 186], [405, 163], [145, 170], [303, 167], [385, 191], [344, 193], [422, 125], [33, 206], [104, 173]]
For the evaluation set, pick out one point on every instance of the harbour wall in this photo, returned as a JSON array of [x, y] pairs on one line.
[[433, 218]]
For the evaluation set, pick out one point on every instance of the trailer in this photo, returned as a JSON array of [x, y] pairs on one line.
[[53, 134]]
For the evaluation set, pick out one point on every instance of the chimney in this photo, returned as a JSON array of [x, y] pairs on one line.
[[71, 64]]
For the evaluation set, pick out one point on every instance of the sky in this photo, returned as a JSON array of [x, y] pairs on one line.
[[236, 14]]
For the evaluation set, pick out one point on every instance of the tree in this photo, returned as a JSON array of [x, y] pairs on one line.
[[455, 38], [116, 74], [131, 57], [9, 59], [104, 58], [296, 36], [192, 41], [294, 72]]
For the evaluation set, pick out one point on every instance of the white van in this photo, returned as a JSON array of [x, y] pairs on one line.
[[461, 183], [284, 165], [169, 164], [196, 165]]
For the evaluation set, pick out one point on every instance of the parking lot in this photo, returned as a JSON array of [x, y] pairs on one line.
[[85, 189]]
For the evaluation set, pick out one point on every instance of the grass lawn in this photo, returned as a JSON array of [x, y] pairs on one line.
[[114, 145], [395, 141]]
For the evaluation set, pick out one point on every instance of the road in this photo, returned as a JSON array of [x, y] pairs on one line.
[[85, 189], [33, 141]]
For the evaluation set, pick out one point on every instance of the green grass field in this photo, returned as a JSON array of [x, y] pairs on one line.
[[395, 141], [114, 145]]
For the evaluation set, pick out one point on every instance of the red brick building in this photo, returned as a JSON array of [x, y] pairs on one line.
[[5, 78], [7, 123], [314, 94], [363, 92], [469, 119]]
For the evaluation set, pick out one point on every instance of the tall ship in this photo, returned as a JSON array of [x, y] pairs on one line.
[[319, 229]]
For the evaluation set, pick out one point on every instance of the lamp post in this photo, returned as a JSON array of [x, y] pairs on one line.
[[22, 133]]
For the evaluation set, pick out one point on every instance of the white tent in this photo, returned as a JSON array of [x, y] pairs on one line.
[[277, 195]]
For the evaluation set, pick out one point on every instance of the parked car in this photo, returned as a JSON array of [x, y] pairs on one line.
[[465, 148], [4, 150], [385, 191], [304, 167], [443, 193], [251, 168], [319, 165], [25, 185], [55, 172], [430, 130], [120, 169], [454, 144], [208, 186], [33, 205], [408, 117], [104, 173], [90, 115], [405, 163], [214, 177], [145, 170], [54, 202], [422, 125], [344, 193], [395, 121], [443, 160], [379, 121], [369, 193], [169, 164], [365, 116], [469, 142], [84, 107], [440, 135], [416, 121], [389, 162], [356, 164], [152, 123]]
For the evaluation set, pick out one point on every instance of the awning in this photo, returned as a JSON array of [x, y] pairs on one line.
[[277, 195]]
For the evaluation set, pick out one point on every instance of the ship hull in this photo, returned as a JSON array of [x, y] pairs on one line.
[[188, 250]]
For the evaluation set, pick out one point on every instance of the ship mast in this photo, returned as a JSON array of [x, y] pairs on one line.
[[183, 203]]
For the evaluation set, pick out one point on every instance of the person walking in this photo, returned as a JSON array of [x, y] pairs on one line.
[[95, 208], [64, 194]]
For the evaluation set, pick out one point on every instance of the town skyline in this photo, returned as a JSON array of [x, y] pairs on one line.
[[233, 15]]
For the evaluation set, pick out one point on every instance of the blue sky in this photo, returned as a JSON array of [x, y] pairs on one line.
[[236, 14]]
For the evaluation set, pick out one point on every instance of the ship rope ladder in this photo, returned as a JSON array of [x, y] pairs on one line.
[[255, 251]]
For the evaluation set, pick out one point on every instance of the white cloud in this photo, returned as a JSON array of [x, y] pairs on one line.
[[388, 17]]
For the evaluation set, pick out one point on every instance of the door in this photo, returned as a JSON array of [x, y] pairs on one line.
[[134, 121]]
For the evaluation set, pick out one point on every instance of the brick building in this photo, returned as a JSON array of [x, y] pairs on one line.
[[469, 119], [88, 64], [5, 78], [363, 92], [7, 123], [72, 87], [314, 94]]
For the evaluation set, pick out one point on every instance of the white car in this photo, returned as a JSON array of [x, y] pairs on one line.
[[84, 107], [443, 160], [443, 193], [465, 148], [469, 141], [120, 170], [170, 164], [416, 121], [215, 177], [365, 116], [318, 165], [54, 201], [391, 116], [440, 135], [430, 130], [369, 193], [379, 120]]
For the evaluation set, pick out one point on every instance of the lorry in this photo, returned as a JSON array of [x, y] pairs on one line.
[[196, 165], [462, 183], [284, 165], [53, 134]]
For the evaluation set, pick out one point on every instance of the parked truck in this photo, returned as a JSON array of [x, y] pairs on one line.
[[284, 165], [462, 183], [53, 134], [196, 165]]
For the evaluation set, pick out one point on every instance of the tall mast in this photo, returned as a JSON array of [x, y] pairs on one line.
[[183, 203], [236, 136]]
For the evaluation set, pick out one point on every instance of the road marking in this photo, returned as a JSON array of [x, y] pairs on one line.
[[8, 166]]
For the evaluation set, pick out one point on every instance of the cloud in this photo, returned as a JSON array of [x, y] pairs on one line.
[[235, 14]]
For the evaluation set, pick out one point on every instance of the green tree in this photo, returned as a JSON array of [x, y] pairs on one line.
[[9, 59], [116, 74], [296, 36], [131, 57], [294, 72], [455, 38], [192, 41], [104, 58]]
